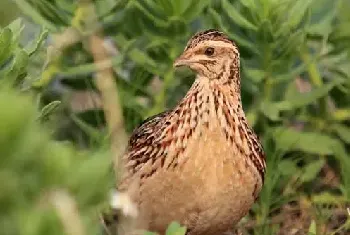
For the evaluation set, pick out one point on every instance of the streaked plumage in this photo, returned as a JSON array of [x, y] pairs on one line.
[[199, 163]]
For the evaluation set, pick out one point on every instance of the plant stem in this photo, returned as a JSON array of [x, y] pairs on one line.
[[67, 211], [87, 22], [312, 69], [315, 78]]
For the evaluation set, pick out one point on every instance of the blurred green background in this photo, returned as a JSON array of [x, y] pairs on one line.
[[55, 145], [8, 12]]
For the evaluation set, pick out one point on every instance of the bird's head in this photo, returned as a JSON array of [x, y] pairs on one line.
[[209, 53]]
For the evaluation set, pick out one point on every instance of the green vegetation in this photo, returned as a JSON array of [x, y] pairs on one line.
[[55, 139]]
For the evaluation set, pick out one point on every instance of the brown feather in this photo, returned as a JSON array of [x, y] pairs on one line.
[[199, 163]]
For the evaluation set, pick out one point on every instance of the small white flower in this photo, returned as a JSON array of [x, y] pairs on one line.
[[122, 201]]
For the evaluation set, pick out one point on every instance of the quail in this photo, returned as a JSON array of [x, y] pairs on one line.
[[199, 163]]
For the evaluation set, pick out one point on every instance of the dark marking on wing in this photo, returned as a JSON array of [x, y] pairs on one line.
[[145, 129]]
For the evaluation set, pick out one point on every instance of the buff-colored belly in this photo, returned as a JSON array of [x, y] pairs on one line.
[[209, 191]]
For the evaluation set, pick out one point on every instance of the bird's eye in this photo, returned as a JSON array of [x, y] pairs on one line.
[[209, 51]]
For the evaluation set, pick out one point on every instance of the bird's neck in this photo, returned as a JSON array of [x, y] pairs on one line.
[[225, 88], [214, 99]]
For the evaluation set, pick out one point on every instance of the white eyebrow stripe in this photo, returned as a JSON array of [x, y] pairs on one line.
[[219, 44]]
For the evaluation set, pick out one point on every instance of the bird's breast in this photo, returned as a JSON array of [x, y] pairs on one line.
[[211, 183], [213, 161]]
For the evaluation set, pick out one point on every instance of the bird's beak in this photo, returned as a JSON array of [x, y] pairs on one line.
[[183, 60]]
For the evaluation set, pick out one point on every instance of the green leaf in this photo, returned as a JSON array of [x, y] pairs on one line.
[[250, 4], [270, 110], [309, 97], [291, 44], [175, 229], [93, 133], [328, 198], [19, 66], [150, 233], [287, 167], [288, 139], [237, 17], [166, 6], [256, 75], [303, 99], [312, 228], [322, 17], [93, 171], [16, 27], [343, 157], [155, 6], [311, 170], [265, 33], [29, 10], [343, 132], [290, 75], [36, 43], [157, 21], [195, 9], [298, 11], [324, 26], [341, 115], [48, 109], [69, 6], [141, 58], [251, 117], [50, 69], [239, 40], [181, 6], [5, 45], [103, 7]]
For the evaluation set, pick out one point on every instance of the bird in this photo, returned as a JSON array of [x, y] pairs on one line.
[[200, 163]]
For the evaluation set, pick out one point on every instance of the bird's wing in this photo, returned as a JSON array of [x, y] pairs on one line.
[[142, 146], [146, 131]]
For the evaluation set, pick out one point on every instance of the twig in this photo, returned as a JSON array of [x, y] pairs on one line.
[[105, 82], [67, 211]]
